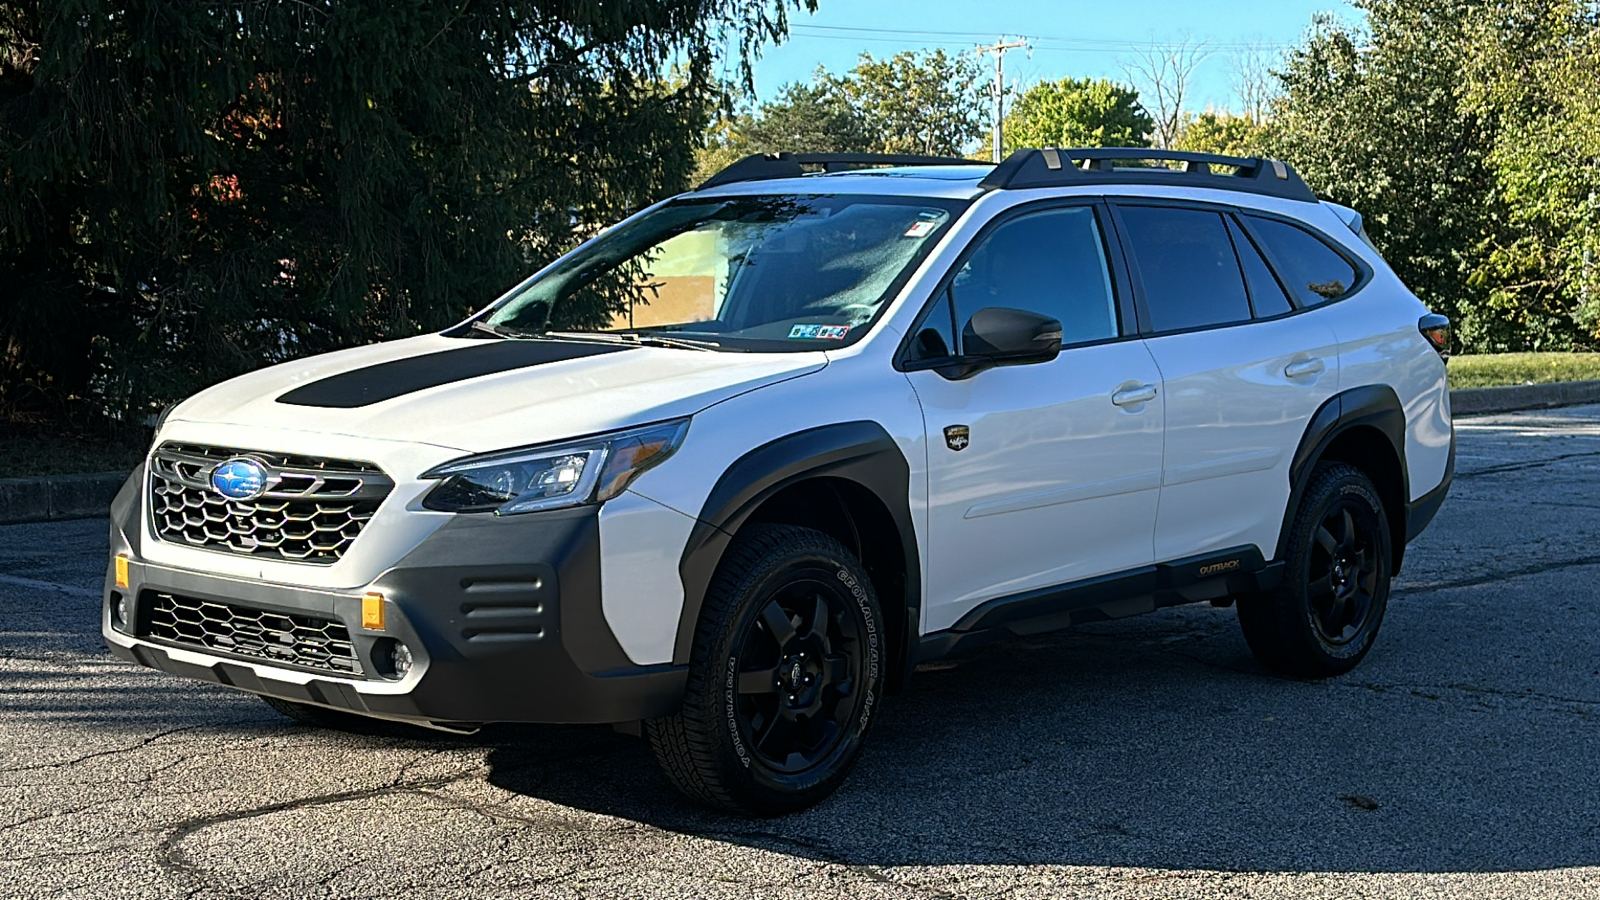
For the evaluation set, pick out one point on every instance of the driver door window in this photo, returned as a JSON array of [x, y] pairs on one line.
[[1052, 263]]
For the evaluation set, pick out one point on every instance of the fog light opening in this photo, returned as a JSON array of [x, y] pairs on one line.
[[121, 610], [393, 658]]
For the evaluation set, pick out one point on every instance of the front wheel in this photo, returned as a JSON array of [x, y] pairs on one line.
[[785, 677], [1324, 618]]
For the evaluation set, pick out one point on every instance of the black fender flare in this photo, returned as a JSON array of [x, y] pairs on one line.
[[1375, 406], [861, 452]]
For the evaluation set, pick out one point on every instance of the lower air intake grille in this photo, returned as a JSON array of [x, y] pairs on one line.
[[287, 639]]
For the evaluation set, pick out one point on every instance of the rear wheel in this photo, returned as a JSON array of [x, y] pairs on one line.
[[1325, 616], [784, 679]]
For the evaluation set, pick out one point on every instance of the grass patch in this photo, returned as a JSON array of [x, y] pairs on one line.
[[22, 456], [1498, 369]]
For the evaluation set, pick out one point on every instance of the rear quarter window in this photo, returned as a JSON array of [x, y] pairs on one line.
[[1314, 272]]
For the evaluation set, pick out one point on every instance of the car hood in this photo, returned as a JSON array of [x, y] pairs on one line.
[[477, 395]]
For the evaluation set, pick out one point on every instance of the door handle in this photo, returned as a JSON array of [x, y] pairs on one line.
[[1305, 369], [1134, 396]]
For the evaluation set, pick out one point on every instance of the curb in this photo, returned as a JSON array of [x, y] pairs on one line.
[[1483, 401], [58, 497]]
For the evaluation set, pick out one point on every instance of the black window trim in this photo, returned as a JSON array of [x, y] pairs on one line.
[[1242, 216], [1129, 324], [1364, 273], [1288, 295]]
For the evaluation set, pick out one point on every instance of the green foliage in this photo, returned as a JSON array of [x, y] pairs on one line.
[[1381, 121], [1538, 74], [191, 190], [1499, 369], [806, 118], [1223, 134], [811, 118], [925, 102], [1078, 113]]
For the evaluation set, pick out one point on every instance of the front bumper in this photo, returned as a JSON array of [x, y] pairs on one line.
[[502, 617]]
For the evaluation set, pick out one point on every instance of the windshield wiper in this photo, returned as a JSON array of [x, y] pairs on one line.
[[499, 331], [633, 339]]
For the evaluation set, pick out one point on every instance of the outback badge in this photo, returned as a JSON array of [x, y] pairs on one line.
[[957, 437]]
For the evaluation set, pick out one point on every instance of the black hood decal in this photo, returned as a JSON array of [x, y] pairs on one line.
[[386, 381]]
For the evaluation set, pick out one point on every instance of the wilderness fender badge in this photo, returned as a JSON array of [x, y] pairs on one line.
[[957, 437]]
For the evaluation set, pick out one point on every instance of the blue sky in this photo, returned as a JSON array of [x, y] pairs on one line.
[[1078, 39]]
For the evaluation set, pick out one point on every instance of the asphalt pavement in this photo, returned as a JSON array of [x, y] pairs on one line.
[[1148, 758]]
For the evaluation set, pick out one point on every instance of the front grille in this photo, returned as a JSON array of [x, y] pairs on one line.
[[311, 511], [287, 639]]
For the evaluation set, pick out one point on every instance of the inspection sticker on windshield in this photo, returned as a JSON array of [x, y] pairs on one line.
[[819, 332], [921, 229]]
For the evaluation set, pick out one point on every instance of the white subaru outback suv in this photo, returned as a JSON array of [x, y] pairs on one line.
[[727, 472]]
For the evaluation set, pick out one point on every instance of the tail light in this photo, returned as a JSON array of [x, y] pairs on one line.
[[1436, 329]]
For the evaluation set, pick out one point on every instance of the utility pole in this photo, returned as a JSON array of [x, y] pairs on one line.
[[999, 48]]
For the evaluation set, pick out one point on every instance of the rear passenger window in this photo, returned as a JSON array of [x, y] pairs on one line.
[[1186, 261], [1315, 272], [1052, 263], [1266, 294]]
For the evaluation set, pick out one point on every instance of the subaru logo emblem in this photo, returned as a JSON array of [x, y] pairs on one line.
[[240, 478]]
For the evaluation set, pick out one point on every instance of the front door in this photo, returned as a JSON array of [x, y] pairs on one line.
[[1038, 475]]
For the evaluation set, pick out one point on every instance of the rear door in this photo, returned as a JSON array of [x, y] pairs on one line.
[[1243, 368]]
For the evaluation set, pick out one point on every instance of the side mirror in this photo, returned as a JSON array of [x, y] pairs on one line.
[[1011, 337]]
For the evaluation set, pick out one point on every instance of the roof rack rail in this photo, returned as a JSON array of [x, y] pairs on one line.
[[761, 166], [1055, 167]]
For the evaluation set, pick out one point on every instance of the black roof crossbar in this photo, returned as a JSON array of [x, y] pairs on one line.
[[1053, 167], [762, 166]]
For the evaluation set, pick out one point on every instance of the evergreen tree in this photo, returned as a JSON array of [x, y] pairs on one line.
[[191, 190]]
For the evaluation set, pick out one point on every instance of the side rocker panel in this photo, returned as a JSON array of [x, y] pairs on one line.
[[862, 452]]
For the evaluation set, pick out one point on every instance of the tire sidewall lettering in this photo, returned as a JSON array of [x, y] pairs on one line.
[[864, 605], [731, 710]]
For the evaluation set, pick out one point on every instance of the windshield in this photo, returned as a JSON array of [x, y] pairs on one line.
[[741, 273]]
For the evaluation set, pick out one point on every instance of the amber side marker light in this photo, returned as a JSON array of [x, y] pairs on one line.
[[122, 572], [372, 612]]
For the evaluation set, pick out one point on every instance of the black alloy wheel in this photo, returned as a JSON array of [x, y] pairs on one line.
[[799, 671], [1342, 577], [785, 676], [1324, 618]]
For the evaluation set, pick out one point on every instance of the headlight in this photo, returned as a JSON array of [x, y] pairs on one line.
[[587, 470]]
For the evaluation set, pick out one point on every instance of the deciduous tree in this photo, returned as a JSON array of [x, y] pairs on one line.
[[1076, 112]]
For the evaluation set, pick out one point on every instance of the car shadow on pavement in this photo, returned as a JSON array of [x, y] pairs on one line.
[[1158, 745]]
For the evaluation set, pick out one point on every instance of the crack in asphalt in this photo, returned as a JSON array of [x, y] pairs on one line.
[[1503, 575], [1525, 466], [67, 763], [171, 857]]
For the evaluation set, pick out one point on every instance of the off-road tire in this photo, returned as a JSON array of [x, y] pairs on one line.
[[1290, 630], [710, 749]]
